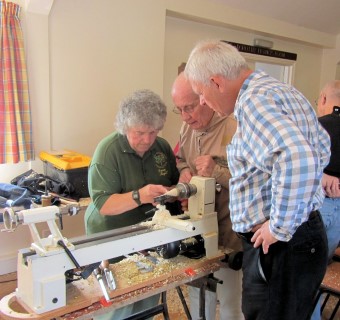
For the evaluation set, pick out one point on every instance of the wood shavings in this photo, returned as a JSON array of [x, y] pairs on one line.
[[83, 296], [151, 225], [128, 270]]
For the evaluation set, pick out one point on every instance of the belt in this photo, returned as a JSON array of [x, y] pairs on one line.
[[246, 236]]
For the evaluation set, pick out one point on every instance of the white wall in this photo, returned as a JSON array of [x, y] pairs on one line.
[[181, 35], [84, 56], [330, 61], [98, 55]]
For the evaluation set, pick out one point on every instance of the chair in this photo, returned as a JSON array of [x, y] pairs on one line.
[[330, 286]]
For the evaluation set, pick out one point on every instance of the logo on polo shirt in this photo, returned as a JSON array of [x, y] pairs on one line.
[[161, 163]]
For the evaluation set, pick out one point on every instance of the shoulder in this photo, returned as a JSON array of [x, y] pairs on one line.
[[330, 123], [328, 119], [107, 146], [109, 140]]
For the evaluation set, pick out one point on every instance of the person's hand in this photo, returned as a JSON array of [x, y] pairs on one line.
[[262, 236], [330, 185], [205, 165], [184, 204], [151, 191], [185, 176]]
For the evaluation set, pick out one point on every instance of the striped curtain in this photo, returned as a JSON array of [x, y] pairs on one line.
[[16, 143]]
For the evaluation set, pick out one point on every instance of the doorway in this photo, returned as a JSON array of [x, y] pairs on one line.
[[280, 69]]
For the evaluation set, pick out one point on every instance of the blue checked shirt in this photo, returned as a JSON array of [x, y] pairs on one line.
[[276, 157]]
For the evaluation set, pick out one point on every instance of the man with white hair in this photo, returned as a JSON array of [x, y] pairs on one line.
[[276, 159]]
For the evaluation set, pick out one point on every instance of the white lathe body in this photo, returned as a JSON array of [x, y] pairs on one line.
[[41, 269]]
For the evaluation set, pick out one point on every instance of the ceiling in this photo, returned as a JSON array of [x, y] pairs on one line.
[[320, 15]]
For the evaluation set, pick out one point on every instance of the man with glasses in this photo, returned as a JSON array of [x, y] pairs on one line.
[[202, 151]]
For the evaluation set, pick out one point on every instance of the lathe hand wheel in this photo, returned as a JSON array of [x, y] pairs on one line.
[[169, 250], [234, 260]]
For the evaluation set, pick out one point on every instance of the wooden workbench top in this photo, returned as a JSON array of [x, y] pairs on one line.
[[83, 296]]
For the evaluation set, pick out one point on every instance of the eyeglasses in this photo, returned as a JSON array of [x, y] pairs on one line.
[[186, 109]]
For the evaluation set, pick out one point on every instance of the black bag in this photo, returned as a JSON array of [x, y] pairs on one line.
[[64, 189], [31, 181], [37, 184]]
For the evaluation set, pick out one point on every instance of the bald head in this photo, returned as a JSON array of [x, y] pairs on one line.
[[188, 103], [181, 89], [329, 97]]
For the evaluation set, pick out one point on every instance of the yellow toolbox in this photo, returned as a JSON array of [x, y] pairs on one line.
[[68, 167]]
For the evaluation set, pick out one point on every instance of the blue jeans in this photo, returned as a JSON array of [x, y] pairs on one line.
[[330, 213], [282, 284]]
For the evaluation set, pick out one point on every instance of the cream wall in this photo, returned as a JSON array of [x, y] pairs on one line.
[[181, 35], [100, 51], [84, 56]]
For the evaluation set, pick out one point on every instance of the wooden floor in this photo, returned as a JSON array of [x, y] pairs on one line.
[[175, 308]]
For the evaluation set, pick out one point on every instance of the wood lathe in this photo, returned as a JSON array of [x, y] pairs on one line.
[[42, 270]]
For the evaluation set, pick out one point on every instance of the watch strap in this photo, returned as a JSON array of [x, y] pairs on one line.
[[135, 196]]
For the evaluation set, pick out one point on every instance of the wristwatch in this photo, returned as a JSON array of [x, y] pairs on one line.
[[135, 196]]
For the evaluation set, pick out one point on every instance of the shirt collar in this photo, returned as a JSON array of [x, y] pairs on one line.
[[254, 76], [215, 120]]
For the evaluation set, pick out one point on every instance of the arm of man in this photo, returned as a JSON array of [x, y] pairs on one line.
[[215, 167], [205, 165]]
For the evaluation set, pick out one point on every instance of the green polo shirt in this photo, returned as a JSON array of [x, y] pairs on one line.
[[117, 168]]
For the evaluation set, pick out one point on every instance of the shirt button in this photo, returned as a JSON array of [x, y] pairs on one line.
[[312, 250]]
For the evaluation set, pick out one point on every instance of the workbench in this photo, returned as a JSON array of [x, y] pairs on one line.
[[84, 297]]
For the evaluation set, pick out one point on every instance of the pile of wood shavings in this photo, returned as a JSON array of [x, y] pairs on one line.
[[165, 272], [128, 270]]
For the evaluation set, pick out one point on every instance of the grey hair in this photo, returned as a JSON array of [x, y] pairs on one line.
[[214, 57], [141, 108]]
